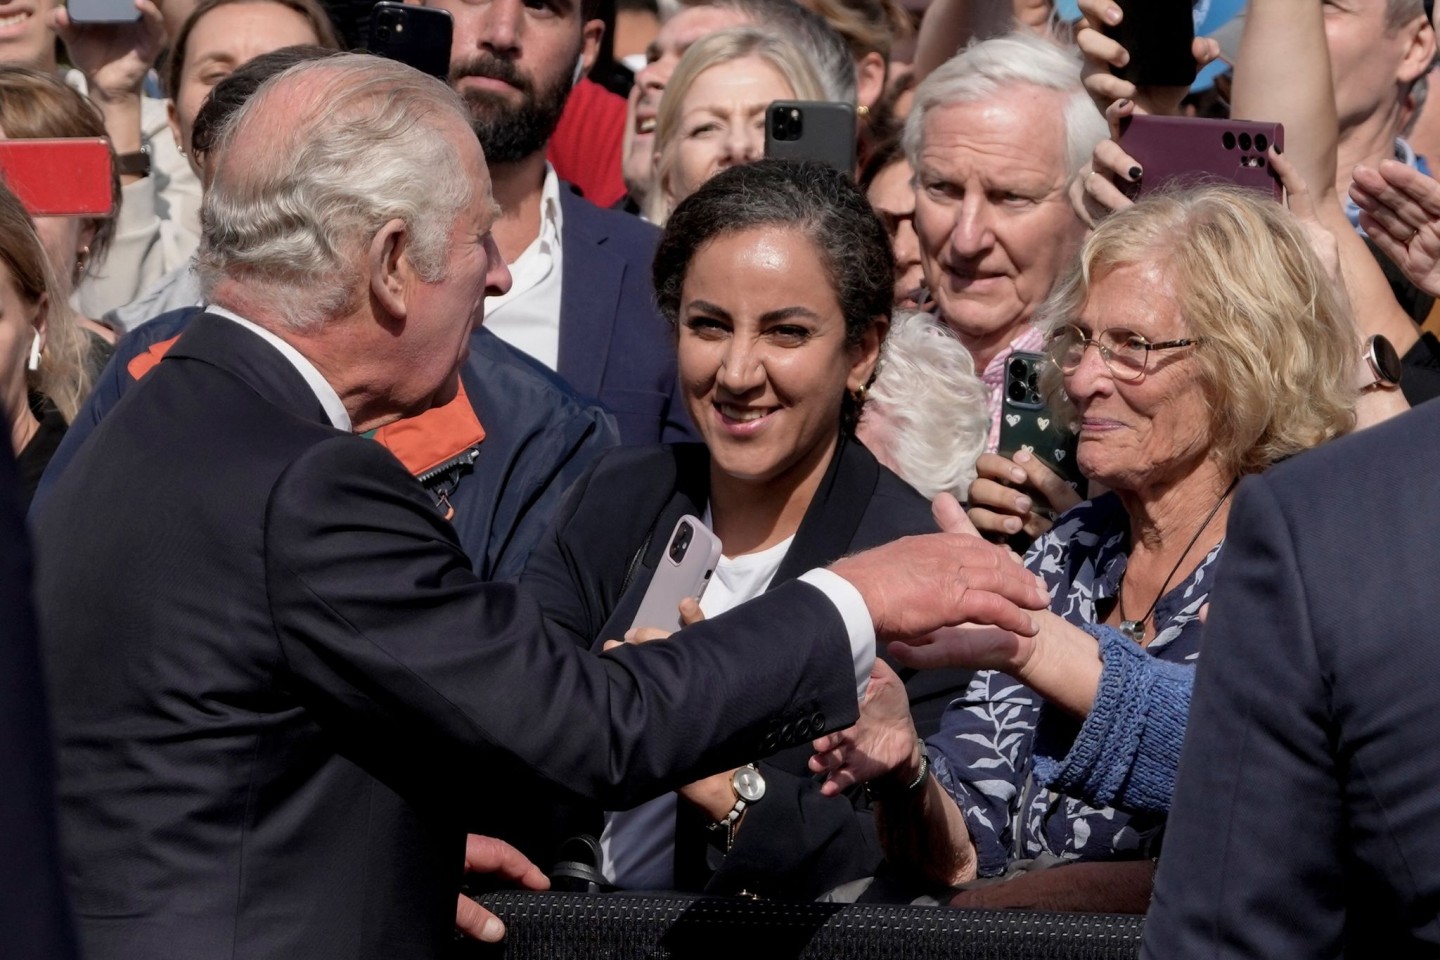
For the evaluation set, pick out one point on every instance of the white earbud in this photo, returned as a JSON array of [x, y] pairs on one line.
[[34, 363], [579, 70]]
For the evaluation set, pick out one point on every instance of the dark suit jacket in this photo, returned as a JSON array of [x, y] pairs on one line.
[[285, 694], [1306, 820], [34, 909], [590, 573], [614, 345], [539, 436]]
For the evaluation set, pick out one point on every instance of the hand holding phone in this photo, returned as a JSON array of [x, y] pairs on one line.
[[1157, 34], [690, 557], [1196, 150]]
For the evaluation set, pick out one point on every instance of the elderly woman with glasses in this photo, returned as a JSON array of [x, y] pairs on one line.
[[1197, 340]]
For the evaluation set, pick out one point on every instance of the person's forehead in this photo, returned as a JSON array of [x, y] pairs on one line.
[[693, 23], [1025, 125]]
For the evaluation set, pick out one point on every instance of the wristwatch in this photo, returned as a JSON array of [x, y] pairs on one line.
[[749, 787], [1384, 362], [135, 164]]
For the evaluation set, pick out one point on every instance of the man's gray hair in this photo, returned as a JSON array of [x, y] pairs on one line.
[[298, 196], [927, 388], [808, 32], [985, 70]]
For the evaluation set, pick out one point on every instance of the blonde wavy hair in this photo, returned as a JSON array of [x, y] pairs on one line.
[[725, 46], [65, 376], [1278, 361]]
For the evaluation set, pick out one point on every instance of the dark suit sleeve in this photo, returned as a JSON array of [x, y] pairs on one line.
[[34, 912], [401, 653], [1252, 862]]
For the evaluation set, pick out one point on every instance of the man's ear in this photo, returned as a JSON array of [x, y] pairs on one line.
[[1419, 51], [392, 275], [591, 33]]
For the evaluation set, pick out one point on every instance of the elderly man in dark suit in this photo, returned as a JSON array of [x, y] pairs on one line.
[[1306, 819], [281, 693]]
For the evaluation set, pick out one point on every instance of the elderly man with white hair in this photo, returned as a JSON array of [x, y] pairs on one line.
[[281, 695], [994, 136]]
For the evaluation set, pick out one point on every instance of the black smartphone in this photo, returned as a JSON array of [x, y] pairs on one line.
[[812, 130], [1190, 151], [102, 11], [1026, 423], [418, 36], [1158, 35]]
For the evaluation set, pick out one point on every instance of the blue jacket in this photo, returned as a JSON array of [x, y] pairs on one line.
[[498, 457]]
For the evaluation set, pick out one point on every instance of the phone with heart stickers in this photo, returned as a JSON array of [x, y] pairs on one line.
[[1026, 423]]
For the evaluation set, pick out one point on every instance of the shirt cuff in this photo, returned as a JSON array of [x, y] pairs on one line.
[[851, 607]]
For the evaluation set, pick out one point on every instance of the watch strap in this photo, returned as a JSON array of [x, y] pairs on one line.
[[135, 164]]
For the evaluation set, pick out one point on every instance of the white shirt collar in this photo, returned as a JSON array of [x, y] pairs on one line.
[[329, 399]]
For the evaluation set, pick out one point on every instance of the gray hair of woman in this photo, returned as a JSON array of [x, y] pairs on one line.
[[293, 221], [926, 417], [1279, 345], [983, 69], [726, 46]]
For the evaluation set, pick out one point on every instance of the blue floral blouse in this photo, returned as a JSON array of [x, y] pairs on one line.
[[983, 753]]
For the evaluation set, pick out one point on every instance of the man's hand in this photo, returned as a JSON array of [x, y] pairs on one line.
[[488, 855], [1400, 210], [881, 742], [689, 614], [916, 585], [999, 506]]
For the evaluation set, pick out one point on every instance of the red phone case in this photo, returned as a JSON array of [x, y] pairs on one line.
[[1195, 150], [59, 178]]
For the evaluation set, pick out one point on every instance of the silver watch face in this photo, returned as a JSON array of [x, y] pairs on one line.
[[749, 785]]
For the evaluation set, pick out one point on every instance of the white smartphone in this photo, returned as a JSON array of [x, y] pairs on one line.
[[684, 571]]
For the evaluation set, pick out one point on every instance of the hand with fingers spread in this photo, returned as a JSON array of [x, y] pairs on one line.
[[489, 855], [1011, 496], [882, 743], [1400, 210], [1102, 52]]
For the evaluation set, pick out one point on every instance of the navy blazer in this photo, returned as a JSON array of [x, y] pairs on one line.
[[614, 345], [539, 436], [286, 695], [34, 908], [589, 575], [1306, 818]]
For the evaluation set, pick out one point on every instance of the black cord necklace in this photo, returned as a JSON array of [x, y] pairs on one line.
[[1135, 629]]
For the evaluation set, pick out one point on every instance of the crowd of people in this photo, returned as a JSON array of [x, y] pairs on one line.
[[349, 442]]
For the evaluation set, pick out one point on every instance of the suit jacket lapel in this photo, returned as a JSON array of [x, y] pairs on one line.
[[829, 526], [225, 344], [590, 279]]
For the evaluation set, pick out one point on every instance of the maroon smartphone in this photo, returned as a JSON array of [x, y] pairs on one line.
[[1193, 150], [59, 178]]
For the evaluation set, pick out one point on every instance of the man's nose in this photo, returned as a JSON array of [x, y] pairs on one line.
[[972, 233]]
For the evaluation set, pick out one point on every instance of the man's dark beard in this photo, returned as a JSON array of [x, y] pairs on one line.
[[508, 133]]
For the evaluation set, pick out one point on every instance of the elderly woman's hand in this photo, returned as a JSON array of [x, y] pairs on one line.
[[882, 742], [1102, 52], [1400, 210], [999, 505]]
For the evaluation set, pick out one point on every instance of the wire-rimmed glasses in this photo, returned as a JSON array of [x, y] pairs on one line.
[[1126, 353]]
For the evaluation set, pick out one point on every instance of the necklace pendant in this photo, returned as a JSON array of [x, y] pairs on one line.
[[1134, 630]]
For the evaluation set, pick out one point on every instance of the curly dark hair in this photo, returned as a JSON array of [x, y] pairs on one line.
[[804, 195]]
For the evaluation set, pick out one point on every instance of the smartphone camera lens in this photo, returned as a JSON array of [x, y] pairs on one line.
[[1228, 140], [1017, 370], [1016, 391], [1262, 142], [1244, 141], [382, 30], [681, 543], [787, 123]]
